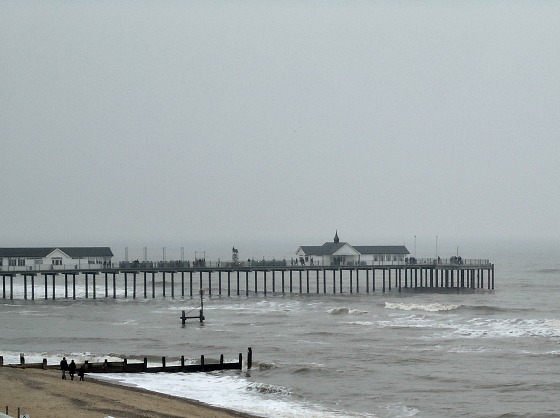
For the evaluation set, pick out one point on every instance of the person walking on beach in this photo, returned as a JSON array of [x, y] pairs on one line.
[[82, 372], [63, 367], [72, 369]]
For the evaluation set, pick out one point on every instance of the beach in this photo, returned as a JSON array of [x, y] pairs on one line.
[[42, 393]]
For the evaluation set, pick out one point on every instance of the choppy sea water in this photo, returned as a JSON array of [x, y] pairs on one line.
[[416, 353]]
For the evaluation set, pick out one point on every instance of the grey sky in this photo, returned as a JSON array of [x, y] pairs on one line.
[[268, 125]]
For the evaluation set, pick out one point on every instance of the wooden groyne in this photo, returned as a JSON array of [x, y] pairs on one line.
[[142, 367], [223, 281]]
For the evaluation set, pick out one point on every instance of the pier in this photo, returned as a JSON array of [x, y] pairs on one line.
[[181, 282]]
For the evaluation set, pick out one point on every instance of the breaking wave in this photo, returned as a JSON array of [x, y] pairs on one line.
[[428, 307], [346, 311]]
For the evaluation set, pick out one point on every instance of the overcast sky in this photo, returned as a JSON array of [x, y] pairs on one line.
[[267, 124]]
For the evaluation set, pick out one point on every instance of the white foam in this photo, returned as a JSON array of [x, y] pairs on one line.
[[227, 391], [428, 307]]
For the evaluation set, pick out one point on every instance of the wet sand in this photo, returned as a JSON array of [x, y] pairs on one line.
[[43, 394]]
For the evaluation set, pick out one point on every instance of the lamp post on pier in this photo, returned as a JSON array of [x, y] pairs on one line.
[[437, 259]]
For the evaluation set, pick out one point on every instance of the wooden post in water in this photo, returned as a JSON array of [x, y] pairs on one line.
[[290, 281], [249, 357], [145, 284], [237, 282], [229, 283], [190, 283]]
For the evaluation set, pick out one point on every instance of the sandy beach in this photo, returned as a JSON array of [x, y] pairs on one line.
[[43, 394]]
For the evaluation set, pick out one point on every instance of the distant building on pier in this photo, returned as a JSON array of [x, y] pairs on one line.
[[336, 253], [55, 258]]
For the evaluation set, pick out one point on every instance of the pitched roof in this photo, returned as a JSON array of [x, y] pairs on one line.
[[75, 252], [329, 248], [381, 249]]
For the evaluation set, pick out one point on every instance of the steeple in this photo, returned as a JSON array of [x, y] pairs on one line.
[[336, 240]]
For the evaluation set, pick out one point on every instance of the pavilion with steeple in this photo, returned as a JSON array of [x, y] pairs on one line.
[[336, 253]]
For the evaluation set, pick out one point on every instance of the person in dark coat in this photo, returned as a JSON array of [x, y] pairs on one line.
[[63, 367], [72, 369], [82, 372]]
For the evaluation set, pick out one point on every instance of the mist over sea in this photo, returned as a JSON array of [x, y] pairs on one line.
[[422, 353]]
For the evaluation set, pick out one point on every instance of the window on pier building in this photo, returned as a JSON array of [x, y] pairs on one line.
[[57, 261], [21, 262], [12, 262]]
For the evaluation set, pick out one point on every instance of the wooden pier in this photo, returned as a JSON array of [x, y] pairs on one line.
[[243, 281], [142, 367]]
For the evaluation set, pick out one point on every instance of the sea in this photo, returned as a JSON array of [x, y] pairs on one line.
[[415, 353]]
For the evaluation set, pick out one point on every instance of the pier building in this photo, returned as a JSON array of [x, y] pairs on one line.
[[38, 258], [338, 253]]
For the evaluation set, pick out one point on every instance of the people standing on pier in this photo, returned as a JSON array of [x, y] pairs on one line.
[[63, 367], [72, 369]]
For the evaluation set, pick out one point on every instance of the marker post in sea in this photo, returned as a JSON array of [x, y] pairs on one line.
[[200, 315]]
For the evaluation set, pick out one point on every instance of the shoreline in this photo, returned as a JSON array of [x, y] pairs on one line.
[[42, 393]]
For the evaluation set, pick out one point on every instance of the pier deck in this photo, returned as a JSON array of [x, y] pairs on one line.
[[237, 281]]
